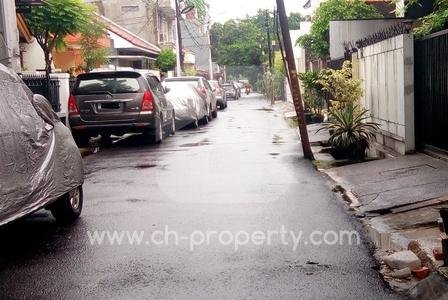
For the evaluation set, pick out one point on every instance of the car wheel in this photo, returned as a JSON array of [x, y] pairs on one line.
[[210, 115], [82, 140], [215, 113], [173, 125], [194, 124], [68, 208], [206, 118], [158, 134], [153, 136]]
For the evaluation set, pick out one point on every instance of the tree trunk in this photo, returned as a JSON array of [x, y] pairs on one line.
[[47, 73]]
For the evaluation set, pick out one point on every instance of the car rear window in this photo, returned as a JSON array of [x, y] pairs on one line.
[[113, 85]]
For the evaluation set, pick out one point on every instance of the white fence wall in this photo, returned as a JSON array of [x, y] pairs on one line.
[[387, 72]]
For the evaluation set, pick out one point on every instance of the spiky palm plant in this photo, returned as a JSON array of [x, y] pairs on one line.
[[350, 133]]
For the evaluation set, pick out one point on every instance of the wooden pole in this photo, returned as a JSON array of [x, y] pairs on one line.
[[294, 80]]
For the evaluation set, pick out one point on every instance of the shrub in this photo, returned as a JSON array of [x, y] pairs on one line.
[[343, 88], [313, 93]]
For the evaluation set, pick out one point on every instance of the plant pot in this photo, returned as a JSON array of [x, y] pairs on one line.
[[338, 153], [357, 152], [317, 118]]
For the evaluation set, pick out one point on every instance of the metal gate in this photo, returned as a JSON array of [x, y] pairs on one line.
[[431, 91]]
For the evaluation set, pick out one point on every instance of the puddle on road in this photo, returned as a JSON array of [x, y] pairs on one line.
[[265, 109], [135, 200], [276, 139], [145, 166], [204, 142]]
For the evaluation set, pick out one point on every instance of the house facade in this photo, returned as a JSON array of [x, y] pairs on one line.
[[151, 20]]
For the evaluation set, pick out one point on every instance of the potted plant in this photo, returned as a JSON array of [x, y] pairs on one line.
[[352, 135]]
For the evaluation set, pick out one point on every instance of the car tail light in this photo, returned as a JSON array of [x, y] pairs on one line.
[[147, 103], [72, 107]]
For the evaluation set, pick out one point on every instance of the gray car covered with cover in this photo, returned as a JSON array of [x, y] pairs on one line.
[[40, 164], [188, 104]]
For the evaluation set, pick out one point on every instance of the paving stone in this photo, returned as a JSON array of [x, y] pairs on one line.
[[403, 259]]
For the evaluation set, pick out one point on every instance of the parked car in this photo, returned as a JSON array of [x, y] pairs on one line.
[[230, 91], [40, 164], [221, 98], [119, 102], [204, 89], [189, 106]]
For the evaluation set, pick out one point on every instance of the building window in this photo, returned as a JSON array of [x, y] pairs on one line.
[[129, 8]]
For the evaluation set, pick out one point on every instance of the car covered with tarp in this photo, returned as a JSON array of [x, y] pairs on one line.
[[40, 164], [189, 106]]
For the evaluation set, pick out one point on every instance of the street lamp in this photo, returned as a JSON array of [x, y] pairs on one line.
[[179, 54]]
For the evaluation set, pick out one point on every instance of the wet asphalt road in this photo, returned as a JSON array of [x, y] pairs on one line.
[[241, 173]]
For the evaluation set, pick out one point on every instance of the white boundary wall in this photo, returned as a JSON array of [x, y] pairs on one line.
[[387, 73]]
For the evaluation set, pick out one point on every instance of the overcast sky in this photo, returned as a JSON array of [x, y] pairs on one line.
[[223, 10]]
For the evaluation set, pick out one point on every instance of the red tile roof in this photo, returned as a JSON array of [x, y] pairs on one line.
[[129, 36]]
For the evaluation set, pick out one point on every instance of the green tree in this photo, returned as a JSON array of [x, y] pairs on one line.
[[52, 22], [166, 60], [294, 20], [239, 44], [244, 42], [93, 52], [435, 21], [317, 41]]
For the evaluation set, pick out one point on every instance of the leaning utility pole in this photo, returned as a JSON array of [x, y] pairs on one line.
[[179, 53], [294, 80], [268, 30], [268, 26]]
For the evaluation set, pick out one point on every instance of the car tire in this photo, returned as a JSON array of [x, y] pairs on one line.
[[81, 140], [68, 208], [195, 124], [205, 120], [215, 113], [172, 129], [210, 114], [158, 133], [153, 136]]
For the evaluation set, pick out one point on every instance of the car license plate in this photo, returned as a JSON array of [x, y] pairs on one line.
[[103, 106]]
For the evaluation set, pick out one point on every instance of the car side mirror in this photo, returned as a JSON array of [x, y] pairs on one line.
[[166, 89], [44, 110]]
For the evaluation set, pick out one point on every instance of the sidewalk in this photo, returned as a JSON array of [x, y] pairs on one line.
[[400, 197], [398, 201]]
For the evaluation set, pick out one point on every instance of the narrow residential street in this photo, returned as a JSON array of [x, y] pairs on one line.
[[243, 172]]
